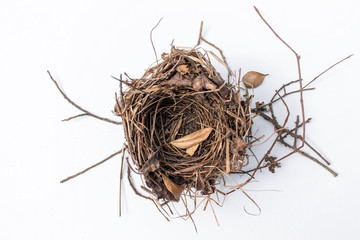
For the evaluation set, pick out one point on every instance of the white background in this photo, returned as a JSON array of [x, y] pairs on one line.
[[83, 43]]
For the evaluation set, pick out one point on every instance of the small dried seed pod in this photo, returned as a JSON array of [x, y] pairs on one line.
[[253, 79]]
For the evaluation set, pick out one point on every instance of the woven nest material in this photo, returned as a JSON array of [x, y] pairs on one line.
[[184, 125]]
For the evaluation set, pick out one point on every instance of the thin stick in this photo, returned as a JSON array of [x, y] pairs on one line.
[[281, 140], [95, 165], [296, 129], [200, 33], [274, 142], [328, 69], [78, 107], [289, 132], [141, 195], [121, 177], [214, 213], [152, 43], [189, 214], [299, 73], [201, 38], [73, 117]]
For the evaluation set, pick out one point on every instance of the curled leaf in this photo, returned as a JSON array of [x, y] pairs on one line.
[[179, 81], [253, 79], [191, 150], [202, 82], [175, 189], [182, 69], [192, 139]]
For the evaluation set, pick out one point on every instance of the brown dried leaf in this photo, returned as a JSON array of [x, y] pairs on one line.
[[202, 82], [217, 79], [175, 189], [179, 81], [198, 84], [191, 150], [192, 139], [253, 79], [151, 165], [239, 144], [182, 69]]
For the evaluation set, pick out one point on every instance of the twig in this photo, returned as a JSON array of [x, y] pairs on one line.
[[121, 177], [78, 107], [141, 195], [73, 117], [289, 132], [201, 38], [282, 141], [328, 69], [274, 142], [95, 165], [152, 43], [296, 129], [299, 74]]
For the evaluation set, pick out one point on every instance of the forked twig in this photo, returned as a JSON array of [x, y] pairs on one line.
[[201, 38], [299, 74], [80, 108]]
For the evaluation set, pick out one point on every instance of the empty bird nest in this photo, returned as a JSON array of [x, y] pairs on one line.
[[184, 125]]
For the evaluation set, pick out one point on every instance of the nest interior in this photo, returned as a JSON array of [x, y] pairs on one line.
[[181, 95]]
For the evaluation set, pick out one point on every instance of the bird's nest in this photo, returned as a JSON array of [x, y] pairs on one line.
[[186, 128], [184, 125]]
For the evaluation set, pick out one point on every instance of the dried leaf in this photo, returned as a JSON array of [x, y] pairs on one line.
[[199, 61], [202, 82], [191, 150], [253, 79], [182, 69], [175, 189], [151, 165], [179, 81], [240, 144], [192, 139], [217, 79]]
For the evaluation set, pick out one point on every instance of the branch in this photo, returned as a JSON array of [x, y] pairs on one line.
[[78, 107]]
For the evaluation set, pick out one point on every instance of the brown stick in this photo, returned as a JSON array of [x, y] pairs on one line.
[[152, 43], [299, 74], [92, 166], [328, 69], [121, 177], [78, 107]]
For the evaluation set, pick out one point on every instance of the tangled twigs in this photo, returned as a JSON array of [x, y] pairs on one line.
[[299, 74], [86, 113], [183, 125]]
